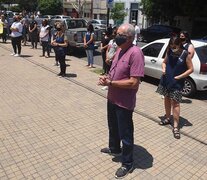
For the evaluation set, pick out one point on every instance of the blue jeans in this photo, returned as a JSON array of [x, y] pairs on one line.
[[121, 129], [89, 54]]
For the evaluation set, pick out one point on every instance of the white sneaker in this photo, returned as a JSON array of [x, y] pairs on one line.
[[12, 54], [17, 55], [104, 88]]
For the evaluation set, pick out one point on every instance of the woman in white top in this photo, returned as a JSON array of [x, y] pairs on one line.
[[16, 36], [44, 38]]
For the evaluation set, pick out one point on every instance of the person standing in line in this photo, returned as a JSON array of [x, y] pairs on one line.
[[33, 32], [104, 45], [89, 45], [110, 52], [185, 38], [111, 49], [123, 83], [44, 38], [110, 29], [137, 32], [16, 36], [4, 23], [176, 66], [25, 23], [60, 43]]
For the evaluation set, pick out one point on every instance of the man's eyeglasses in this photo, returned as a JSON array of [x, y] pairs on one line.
[[122, 35]]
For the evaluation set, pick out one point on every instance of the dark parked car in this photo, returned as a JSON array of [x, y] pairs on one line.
[[155, 32]]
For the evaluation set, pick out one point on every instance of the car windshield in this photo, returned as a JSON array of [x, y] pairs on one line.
[[202, 53], [103, 22], [72, 24]]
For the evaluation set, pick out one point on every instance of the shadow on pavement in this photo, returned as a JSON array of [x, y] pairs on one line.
[[183, 121], [186, 101], [26, 56], [70, 75], [200, 95], [142, 158]]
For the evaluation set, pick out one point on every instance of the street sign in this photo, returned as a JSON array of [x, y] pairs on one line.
[[110, 4]]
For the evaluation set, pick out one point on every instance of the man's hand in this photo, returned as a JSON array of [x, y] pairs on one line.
[[103, 81], [108, 61]]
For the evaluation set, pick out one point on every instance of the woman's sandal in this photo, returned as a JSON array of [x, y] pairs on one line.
[[164, 122], [176, 133]]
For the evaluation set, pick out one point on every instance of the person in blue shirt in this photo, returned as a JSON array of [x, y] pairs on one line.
[[89, 45], [59, 42], [177, 65]]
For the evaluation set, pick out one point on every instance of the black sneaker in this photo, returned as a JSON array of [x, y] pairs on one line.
[[123, 171], [108, 151]]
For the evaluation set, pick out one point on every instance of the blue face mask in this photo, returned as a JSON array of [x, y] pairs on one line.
[[120, 40]]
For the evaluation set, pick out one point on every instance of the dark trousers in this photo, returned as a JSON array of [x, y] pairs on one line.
[[61, 60], [45, 48], [34, 39], [4, 35], [16, 44], [121, 129], [106, 67]]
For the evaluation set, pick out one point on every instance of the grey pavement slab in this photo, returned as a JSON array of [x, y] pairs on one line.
[[54, 128]]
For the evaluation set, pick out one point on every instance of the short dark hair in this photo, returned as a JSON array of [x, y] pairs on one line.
[[90, 28]]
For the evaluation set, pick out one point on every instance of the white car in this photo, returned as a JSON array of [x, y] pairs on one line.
[[60, 17], [154, 53], [98, 24]]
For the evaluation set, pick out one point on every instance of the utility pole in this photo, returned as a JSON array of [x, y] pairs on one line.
[[107, 20], [91, 9], [109, 5]]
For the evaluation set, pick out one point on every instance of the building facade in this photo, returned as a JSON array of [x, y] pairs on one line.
[[133, 10], [78, 8], [97, 9]]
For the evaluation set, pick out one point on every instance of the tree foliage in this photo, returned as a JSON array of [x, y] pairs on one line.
[[79, 6], [50, 6], [27, 5], [168, 9], [118, 13]]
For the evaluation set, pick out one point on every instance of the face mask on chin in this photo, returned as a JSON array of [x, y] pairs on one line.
[[175, 50], [182, 39], [58, 29], [120, 40]]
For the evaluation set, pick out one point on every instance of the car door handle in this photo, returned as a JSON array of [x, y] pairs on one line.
[[153, 61]]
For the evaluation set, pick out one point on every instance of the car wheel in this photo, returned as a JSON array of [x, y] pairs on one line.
[[189, 88]]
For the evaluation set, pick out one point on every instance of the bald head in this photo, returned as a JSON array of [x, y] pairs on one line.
[[127, 29]]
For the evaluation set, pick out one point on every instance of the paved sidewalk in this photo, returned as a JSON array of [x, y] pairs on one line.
[[54, 128]]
